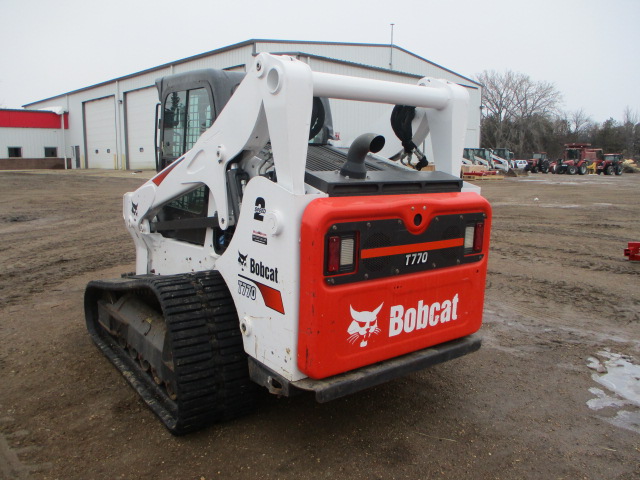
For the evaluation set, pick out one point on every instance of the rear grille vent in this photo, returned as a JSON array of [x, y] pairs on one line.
[[377, 240], [451, 232], [383, 177], [376, 264]]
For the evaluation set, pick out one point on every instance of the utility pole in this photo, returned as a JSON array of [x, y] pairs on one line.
[[391, 49]]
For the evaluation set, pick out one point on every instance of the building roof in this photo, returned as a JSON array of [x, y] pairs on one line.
[[257, 40]]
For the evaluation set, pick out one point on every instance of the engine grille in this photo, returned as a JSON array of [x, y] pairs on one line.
[[321, 158]]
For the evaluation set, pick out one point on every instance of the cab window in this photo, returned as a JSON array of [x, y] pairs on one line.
[[187, 114], [176, 219]]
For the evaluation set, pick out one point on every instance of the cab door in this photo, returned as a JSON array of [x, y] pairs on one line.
[[186, 114]]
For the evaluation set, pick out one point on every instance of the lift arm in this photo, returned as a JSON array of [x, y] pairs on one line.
[[273, 103]]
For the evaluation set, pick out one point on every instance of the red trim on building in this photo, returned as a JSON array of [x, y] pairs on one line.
[[31, 119]]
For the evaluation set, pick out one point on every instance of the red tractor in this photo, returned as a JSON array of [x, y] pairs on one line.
[[577, 157], [539, 163], [610, 164]]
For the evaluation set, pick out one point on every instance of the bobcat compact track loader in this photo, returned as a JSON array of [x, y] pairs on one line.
[[266, 260]]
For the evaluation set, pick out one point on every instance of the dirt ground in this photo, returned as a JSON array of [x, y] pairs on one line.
[[560, 294]]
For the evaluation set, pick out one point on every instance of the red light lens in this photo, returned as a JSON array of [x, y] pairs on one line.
[[333, 263], [478, 237]]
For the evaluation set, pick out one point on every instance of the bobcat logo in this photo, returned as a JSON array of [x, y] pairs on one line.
[[364, 325], [134, 208], [242, 259]]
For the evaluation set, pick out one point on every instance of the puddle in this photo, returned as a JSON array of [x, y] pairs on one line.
[[621, 379]]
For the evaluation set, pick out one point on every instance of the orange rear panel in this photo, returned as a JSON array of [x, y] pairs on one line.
[[414, 284]]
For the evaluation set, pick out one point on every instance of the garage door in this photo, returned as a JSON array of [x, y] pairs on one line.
[[140, 118], [100, 125]]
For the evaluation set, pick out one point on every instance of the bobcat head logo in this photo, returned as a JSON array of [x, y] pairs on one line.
[[364, 325], [242, 259], [134, 208]]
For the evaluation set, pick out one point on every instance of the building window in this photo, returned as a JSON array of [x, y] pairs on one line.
[[51, 152], [15, 152]]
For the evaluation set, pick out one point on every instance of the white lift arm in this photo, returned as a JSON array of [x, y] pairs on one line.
[[274, 102]]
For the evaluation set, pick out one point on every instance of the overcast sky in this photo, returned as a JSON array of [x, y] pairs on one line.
[[590, 49]]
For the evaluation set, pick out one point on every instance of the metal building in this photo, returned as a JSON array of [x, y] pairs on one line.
[[32, 139], [111, 125]]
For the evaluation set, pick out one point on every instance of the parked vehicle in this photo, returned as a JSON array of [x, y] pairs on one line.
[[610, 164], [520, 164], [487, 157], [576, 158], [504, 153], [265, 257], [539, 163], [478, 156]]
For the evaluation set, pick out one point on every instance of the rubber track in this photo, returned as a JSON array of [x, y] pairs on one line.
[[210, 364]]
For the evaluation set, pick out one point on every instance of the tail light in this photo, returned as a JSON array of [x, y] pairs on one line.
[[474, 238], [341, 253]]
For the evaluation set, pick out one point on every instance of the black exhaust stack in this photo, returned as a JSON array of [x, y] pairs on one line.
[[361, 146]]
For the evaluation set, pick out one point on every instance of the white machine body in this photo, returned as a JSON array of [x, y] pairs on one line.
[[261, 265]]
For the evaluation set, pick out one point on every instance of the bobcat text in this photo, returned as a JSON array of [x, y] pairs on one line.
[[421, 316]]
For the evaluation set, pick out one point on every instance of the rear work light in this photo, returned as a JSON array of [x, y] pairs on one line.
[[341, 253], [474, 238]]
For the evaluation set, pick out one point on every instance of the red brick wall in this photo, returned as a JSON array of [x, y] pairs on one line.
[[33, 163]]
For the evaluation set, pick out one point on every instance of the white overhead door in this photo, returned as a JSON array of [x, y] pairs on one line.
[[100, 124], [140, 119]]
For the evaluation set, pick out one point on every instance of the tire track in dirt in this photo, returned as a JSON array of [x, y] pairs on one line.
[[15, 454], [58, 233]]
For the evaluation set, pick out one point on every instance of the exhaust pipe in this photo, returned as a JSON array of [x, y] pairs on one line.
[[361, 146]]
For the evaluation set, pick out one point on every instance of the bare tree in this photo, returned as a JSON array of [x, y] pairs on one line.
[[522, 115], [517, 110], [629, 116], [497, 102], [535, 98], [630, 132], [579, 122]]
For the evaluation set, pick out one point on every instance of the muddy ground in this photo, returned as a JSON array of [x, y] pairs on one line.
[[560, 292]]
